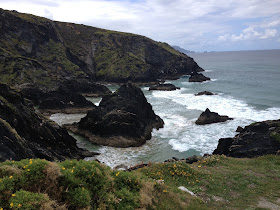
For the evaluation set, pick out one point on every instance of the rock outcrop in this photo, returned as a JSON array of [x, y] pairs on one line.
[[207, 93], [208, 117], [257, 139], [164, 87], [26, 134], [67, 98], [198, 77], [122, 119], [37, 50]]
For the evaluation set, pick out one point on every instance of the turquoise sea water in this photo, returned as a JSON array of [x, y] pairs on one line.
[[247, 87]]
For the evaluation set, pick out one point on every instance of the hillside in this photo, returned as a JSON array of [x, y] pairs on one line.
[[36, 50], [218, 182]]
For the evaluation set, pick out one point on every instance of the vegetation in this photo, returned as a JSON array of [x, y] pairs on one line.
[[218, 182]]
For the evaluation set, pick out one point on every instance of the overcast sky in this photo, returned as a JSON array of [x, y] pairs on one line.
[[199, 25]]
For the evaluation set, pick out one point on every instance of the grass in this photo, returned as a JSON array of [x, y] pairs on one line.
[[218, 182]]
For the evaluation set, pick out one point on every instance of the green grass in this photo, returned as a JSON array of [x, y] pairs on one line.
[[218, 182]]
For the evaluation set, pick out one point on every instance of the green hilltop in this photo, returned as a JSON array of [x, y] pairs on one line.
[[40, 51]]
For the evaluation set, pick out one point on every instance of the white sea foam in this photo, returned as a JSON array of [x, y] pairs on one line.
[[61, 118], [185, 135]]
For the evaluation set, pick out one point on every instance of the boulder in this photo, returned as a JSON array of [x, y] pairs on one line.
[[164, 87], [27, 134], [239, 129], [208, 117], [122, 119], [257, 139], [198, 77], [63, 100], [205, 93]]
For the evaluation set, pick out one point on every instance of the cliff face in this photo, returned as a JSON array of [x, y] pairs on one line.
[[25, 134], [44, 52]]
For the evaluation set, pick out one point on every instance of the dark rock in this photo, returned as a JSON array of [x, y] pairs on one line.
[[192, 159], [164, 87], [63, 99], [122, 119], [176, 159], [254, 140], [198, 77], [204, 93], [239, 129], [208, 117], [86, 88], [25, 134]]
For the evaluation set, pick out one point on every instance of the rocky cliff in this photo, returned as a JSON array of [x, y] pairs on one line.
[[26, 134], [36, 50]]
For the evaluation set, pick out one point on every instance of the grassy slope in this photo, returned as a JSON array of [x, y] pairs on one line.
[[41, 54], [218, 181]]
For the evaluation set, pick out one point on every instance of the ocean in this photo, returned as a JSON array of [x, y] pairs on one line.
[[247, 88]]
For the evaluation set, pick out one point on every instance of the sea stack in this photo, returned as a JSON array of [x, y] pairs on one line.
[[122, 119], [198, 77], [208, 117]]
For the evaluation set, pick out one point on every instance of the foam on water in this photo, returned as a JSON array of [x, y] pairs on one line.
[[61, 118], [185, 135]]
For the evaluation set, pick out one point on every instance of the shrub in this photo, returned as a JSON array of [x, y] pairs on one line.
[[27, 200], [79, 197]]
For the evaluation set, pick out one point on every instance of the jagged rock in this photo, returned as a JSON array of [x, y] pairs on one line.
[[204, 93], [25, 134], [48, 53], [239, 129], [63, 100], [122, 119], [86, 88], [192, 159], [164, 87], [257, 139], [208, 117], [198, 77]]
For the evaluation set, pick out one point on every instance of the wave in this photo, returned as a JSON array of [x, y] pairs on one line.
[[185, 135]]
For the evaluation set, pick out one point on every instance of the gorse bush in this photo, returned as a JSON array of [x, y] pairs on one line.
[[39, 184]]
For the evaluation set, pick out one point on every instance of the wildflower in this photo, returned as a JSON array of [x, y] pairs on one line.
[[11, 205], [72, 171], [13, 195], [30, 161], [11, 177], [199, 166], [28, 169], [117, 174], [164, 191], [1, 209], [19, 205], [63, 168]]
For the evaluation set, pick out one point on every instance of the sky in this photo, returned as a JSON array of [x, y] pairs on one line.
[[197, 25]]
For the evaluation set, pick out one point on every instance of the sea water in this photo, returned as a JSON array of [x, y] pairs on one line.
[[247, 88]]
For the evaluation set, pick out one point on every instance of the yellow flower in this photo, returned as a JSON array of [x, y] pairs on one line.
[[19, 205], [164, 191], [72, 171], [1, 209], [13, 195], [63, 168], [117, 174], [199, 166], [11, 204], [11, 177], [28, 169]]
